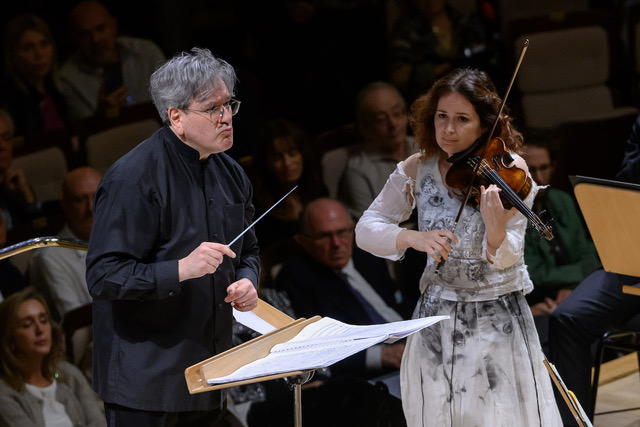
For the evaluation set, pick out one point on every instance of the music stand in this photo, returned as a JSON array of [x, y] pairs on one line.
[[283, 353], [235, 357], [611, 210]]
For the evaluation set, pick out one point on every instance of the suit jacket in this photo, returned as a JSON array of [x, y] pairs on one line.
[[314, 289]]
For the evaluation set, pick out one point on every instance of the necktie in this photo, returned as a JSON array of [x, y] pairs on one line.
[[373, 315]]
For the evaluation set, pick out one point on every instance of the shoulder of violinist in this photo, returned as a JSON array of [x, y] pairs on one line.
[[519, 162], [410, 165], [410, 168]]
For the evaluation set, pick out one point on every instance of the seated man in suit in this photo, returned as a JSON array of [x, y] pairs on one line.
[[332, 278], [312, 282]]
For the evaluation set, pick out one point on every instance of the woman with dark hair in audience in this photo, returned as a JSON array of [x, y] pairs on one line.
[[282, 158], [36, 387], [29, 89]]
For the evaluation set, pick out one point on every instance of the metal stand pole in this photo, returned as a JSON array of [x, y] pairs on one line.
[[296, 384]]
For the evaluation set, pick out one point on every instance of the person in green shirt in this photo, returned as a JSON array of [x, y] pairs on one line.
[[556, 267]]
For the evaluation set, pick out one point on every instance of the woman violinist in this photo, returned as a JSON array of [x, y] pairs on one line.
[[484, 365]]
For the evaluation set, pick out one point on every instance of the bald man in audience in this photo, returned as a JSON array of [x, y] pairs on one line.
[[60, 272], [382, 120], [331, 277]]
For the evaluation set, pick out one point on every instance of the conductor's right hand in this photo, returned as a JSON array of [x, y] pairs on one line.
[[204, 259]]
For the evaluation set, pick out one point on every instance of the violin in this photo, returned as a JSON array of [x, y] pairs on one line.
[[492, 164]]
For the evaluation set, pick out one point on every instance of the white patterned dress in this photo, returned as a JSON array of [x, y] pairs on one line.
[[484, 365]]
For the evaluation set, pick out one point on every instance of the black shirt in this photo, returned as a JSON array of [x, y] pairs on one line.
[[153, 207]]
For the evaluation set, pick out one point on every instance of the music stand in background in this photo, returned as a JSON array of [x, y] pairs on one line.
[[616, 230], [611, 210]]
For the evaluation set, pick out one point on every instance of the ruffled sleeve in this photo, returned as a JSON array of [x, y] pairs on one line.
[[378, 227]]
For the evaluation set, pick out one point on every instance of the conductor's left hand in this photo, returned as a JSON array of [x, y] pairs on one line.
[[242, 295]]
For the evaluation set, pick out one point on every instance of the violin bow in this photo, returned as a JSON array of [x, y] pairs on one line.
[[525, 45]]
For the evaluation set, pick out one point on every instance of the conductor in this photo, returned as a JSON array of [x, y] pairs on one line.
[[162, 277]]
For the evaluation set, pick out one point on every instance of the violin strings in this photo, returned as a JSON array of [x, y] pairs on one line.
[[493, 177]]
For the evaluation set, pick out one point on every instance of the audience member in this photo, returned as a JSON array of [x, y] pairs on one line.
[[18, 201], [106, 70], [556, 266], [381, 117], [330, 277], [37, 388], [30, 91], [282, 158], [596, 306], [429, 39], [382, 120], [12, 278], [59, 273]]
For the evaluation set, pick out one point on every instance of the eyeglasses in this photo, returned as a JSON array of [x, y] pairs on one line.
[[342, 234], [233, 105]]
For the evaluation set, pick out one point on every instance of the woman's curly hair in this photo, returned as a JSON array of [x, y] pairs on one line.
[[479, 90]]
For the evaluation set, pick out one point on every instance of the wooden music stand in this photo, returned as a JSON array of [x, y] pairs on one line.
[[323, 342], [630, 290], [236, 357], [611, 210]]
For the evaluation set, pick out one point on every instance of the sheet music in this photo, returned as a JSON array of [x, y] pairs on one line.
[[323, 343], [253, 321]]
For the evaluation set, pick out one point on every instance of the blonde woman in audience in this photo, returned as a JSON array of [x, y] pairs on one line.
[[36, 387]]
